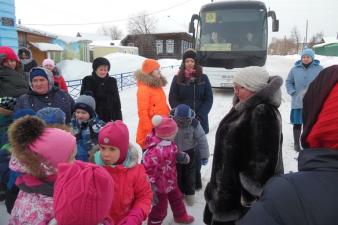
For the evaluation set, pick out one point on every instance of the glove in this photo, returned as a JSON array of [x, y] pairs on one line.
[[204, 161], [182, 158], [135, 217]]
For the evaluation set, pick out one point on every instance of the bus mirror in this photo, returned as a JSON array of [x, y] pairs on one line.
[[275, 25], [192, 24]]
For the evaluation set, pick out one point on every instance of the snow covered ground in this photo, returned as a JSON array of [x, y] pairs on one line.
[[276, 65]]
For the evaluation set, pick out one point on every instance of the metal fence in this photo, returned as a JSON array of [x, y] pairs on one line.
[[124, 80]]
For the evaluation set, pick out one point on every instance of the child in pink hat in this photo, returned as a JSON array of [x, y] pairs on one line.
[[36, 152], [132, 192], [58, 79], [159, 160], [83, 194]]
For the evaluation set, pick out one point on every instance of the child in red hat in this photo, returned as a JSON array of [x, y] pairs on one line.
[[160, 163], [132, 192], [151, 99]]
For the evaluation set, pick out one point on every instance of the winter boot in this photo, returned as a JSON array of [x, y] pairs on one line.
[[297, 129], [190, 199], [185, 219]]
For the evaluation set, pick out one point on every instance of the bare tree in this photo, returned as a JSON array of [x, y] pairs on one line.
[[316, 39], [281, 46], [141, 23], [113, 31], [295, 36]]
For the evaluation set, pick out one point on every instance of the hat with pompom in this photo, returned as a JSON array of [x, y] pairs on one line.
[[165, 127]]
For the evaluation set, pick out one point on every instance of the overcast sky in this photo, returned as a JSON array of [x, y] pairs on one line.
[[173, 15]]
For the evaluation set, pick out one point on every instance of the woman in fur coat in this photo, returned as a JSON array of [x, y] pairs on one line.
[[247, 149], [151, 99]]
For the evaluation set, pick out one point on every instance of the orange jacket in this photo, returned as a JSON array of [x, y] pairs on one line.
[[151, 100]]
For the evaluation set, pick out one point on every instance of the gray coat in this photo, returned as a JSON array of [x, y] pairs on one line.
[[298, 81], [191, 137]]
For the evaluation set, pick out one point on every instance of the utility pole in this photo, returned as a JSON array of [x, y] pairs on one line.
[[307, 25]]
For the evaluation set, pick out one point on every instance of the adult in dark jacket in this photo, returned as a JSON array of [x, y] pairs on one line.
[[45, 94], [12, 81], [27, 60], [248, 147], [104, 89], [191, 87], [310, 196]]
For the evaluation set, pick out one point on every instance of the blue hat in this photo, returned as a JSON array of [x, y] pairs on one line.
[[52, 115], [23, 112], [308, 52], [37, 71], [183, 111]]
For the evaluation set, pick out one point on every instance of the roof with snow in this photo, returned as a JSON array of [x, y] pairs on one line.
[[44, 47], [34, 31], [94, 37], [69, 39], [106, 43]]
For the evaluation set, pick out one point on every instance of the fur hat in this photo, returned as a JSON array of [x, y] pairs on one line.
[[30, 134], [100, 61], [7, 103], [23, 112], [83, 194], [115, 134], [308, 52], [189, 53], [165, 127], [9, 53], [86, 103], [48, 62], [149, 65], [52, 115], [253, 78]]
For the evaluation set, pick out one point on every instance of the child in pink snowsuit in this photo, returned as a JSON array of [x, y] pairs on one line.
[[160, 163]]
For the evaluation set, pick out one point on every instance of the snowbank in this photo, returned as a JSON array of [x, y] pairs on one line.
[[120, 63]]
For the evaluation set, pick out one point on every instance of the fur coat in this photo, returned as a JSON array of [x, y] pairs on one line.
[[247, 153]]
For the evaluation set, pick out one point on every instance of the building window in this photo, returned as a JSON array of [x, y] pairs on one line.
[[170, 46], [159, 46], [131, 44]]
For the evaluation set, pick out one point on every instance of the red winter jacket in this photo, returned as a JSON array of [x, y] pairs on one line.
[[60, 82], [131, 190]]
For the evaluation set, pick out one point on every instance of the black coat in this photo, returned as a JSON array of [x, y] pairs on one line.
[[106, 95], [197, 95], [12, 83], [309, 197], [247, 153]]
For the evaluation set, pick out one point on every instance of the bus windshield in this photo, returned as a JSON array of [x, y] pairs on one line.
[[229, 30]]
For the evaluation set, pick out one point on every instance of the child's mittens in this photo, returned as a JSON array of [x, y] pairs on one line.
[[135, 217], [182, 158], [204, 162]]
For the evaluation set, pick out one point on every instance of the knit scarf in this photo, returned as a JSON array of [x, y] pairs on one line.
[[190, 74], [31, 184]]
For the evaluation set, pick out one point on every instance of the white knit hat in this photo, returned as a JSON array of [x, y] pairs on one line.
[[253, 78]]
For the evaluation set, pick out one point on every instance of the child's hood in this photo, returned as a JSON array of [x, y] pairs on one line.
[[130, 161], [149, 80]]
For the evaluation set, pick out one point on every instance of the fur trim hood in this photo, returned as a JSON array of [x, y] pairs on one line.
[[130, 161], [150, 80], [270, 94]]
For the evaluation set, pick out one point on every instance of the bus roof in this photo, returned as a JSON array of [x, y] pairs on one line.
[[233, 5]]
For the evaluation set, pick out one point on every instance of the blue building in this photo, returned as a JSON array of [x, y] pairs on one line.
[[8, 33]]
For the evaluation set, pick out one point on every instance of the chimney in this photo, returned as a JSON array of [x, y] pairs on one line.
[[78, 34]]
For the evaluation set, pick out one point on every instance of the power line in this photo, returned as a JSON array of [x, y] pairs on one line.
[[110, 21]]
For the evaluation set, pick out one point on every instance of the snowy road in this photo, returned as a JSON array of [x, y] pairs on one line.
[[276, 65]]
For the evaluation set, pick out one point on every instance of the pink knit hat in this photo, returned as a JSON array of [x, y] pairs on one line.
[[116, 134], [55, 145], [165, 127], [83, 194], [48, 62]]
